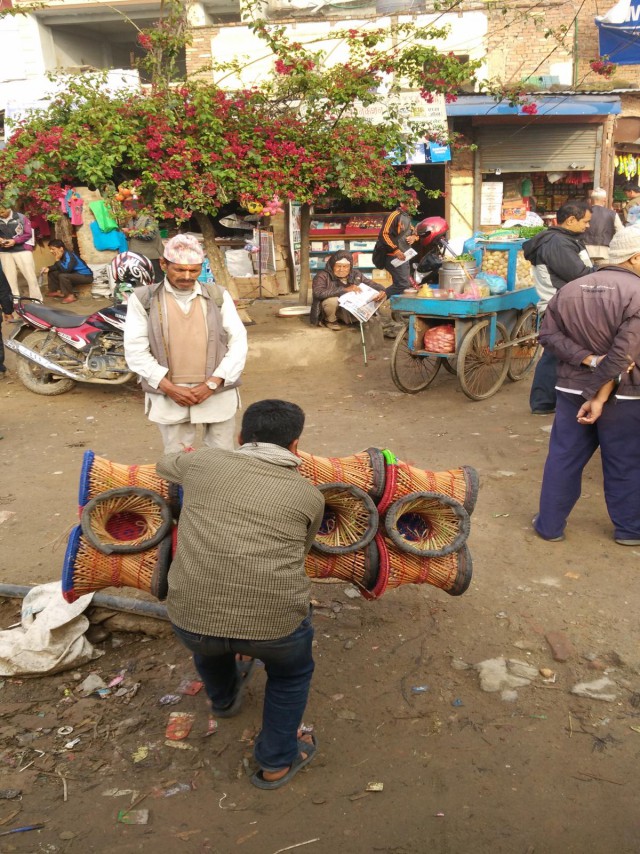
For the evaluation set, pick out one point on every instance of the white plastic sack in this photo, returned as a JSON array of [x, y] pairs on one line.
[[238, 262], [102, 283], [51, 637]]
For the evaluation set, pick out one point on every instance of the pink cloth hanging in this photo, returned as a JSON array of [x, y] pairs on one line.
[[76, 204]]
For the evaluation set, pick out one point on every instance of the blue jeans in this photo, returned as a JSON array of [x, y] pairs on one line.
[[571, 447], [289, 666], [543, 388]]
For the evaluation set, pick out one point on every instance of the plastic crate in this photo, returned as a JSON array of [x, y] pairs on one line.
[[511, 247]]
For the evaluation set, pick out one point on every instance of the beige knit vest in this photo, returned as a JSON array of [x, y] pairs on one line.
[[187, 342]]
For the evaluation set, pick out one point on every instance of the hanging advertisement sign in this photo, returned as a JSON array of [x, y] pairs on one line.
[[619, 33], [295, 241]]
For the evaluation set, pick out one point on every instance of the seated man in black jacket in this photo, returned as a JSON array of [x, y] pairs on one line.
[[558, 256]]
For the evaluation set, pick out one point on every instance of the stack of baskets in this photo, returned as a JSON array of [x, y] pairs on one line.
[[411, 527], [126, 533], [386, 523]]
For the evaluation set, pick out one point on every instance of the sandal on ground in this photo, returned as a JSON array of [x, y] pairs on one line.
[[299, 762], [245, 670]]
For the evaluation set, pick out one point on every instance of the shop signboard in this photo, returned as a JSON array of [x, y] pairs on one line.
[[412, 109], [491, 203], [619, 33]]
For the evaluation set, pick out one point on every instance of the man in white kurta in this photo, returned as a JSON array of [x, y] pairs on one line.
[[177, 407]]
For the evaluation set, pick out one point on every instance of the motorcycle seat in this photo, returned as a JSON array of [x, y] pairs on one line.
[[57, 316]]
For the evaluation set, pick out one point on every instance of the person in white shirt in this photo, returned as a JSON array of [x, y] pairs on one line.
[[186, 342]]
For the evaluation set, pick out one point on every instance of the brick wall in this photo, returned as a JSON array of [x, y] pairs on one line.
[[199, 51]]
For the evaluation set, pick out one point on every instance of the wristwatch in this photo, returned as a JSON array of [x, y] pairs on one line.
[[593, 363], [212, 384]]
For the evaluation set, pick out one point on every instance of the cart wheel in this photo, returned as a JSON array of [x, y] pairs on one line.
[[523, 355], [411, 373], [451, 364], [481, 371]]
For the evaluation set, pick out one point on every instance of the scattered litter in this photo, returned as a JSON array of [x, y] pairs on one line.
[[190, 687], [120, 793], [539, 717], [92, 683], [595, 690], [9, 794], [212, 727], [459, 664], [457, 703], [65, 730], [374, 787], [547, 429], [500, 515], [547, 674], [635, 728], [21, 829], [179, 725], [509, 695], [495, 674], [133, 816], [169, 699], [346, 715], [299, 844], [305, 728], [5, 515], [502, 615], [574, 575], [141, 753], [172, 790], [336, 697], [505, 473], [115, 681], [419, 689], [439, 815], [348, 644], [351, 592], [181, 745]]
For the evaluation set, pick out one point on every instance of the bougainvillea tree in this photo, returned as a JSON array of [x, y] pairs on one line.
[[191, 148]]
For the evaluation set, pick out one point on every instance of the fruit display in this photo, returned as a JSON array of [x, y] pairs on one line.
[[524, 273]]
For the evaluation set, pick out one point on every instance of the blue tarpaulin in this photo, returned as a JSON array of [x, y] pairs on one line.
[[619, 32]]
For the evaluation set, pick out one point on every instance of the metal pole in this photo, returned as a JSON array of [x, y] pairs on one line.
[[364, 346]]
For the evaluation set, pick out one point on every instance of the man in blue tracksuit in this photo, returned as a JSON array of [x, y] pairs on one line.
[[68, 271]]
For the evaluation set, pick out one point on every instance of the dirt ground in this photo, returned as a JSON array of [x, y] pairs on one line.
[[462, 769]]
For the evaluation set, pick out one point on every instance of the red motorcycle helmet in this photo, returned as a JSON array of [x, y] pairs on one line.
[[430, 229]]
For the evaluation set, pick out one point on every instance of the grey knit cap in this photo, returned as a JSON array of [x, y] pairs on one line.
[[624, 244]]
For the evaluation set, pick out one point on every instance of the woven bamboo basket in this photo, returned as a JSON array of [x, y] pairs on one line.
[[86, 569], [451, 573], [364, 470], [99, 475], [461, 483], [126, 520], [359, 567], [427, 524], [350, 519]]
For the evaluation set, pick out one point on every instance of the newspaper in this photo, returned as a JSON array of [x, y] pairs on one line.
[[360, 303], [408, 254]]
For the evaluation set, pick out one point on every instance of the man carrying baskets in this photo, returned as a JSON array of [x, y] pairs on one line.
[[237, 584]]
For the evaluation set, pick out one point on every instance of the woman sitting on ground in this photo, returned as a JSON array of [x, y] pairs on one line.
[[337, 278], [69, 270]]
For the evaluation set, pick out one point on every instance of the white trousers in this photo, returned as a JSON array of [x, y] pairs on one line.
[[179, 437], [12, 262]]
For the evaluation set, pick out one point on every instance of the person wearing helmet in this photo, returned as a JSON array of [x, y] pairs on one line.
[[130, 270], [186, 342]]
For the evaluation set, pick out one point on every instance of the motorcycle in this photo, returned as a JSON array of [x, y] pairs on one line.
[[58, 348]]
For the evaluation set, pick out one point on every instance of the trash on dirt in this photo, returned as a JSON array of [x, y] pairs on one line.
[[120, 793], [336, 697], [635, 728], [457, 703], [65, 730], [212, 727], [348, 644], [419, 689], [190, 687], [504, 473], [495, 674], [502, 615], [181, 745], [547, 673], [21, 829], [573, 575], [305, 729], [141, 753], [439, 815], [5, 515], [179, 725], [595, 690], [509, 695], [351, 592], [500, 515], [346, 715], [459, 664], [169, 792], [92, 683], [374, 787], [521, 668], [103, 693], [116, 681], [169, 699], [71, 744], [133, 816], [9, 794]]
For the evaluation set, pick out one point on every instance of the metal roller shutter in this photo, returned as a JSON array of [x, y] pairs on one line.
[[555, 148]]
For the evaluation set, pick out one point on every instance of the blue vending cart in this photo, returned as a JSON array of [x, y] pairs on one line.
[[495, 336]]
